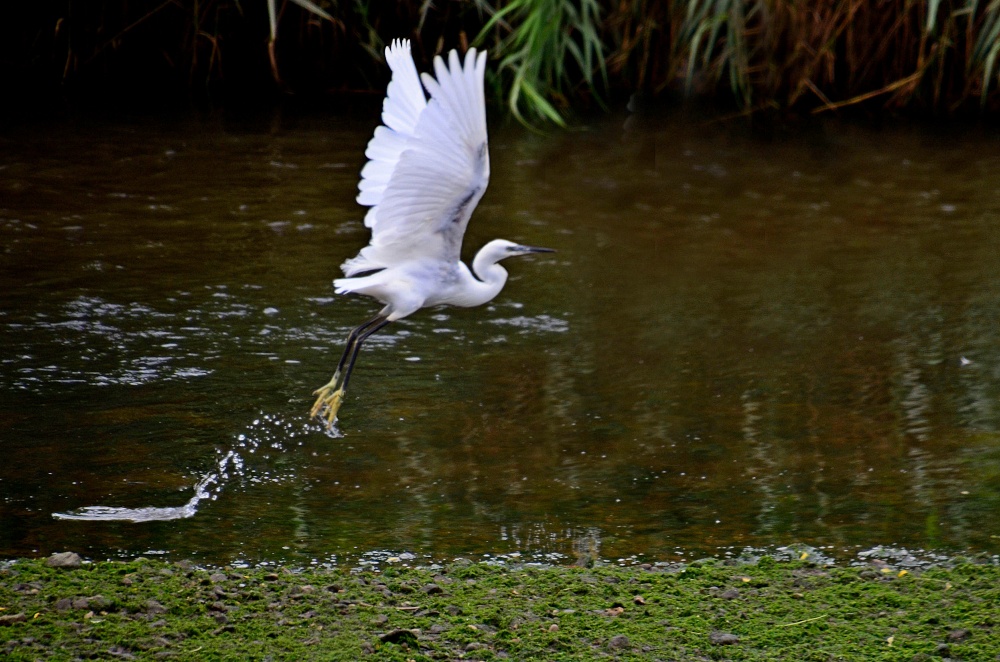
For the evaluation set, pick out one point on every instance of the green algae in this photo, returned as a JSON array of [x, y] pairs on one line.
[[704, 611]]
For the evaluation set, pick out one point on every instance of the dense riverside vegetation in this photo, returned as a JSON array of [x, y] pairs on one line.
[[936, 57]]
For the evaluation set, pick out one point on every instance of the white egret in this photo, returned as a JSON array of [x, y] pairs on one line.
[[428, 166]]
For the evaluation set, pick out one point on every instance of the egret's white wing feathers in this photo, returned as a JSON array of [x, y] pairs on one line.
[[404, 101], [429, 163]]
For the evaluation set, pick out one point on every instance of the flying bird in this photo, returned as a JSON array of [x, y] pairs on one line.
[[428, 166]]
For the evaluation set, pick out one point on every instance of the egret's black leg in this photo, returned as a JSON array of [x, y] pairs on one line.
[[374, 328], [352, 338], [331, 396]]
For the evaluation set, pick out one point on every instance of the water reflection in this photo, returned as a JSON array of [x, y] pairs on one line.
[[739, 342]]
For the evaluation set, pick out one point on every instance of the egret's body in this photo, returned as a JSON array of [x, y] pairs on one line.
[[428, 168]]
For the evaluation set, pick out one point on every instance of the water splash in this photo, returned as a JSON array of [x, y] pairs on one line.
[[202, 491], [266, 432]]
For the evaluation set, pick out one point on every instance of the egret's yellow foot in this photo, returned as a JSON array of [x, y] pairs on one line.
[[328, 402], [324, 394]]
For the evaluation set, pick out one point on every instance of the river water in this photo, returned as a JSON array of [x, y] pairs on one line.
[[742, 340]]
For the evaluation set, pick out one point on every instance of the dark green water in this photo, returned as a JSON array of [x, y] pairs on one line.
[[740, 342]]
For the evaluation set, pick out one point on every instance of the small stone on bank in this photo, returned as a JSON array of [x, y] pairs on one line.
[[723, 638], [10, 619], [155, 607], [618, 642], [68, 560]]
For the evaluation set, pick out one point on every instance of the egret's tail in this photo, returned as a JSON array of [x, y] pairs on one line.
[[359, 284], [345, 285], [361, 263], [399, 296]]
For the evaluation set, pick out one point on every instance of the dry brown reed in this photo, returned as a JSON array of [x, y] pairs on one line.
[[935, 56]]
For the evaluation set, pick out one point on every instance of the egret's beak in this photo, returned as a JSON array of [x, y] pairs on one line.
[[533, 249]]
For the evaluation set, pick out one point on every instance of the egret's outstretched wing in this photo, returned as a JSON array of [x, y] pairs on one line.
[[429, 164], [404, 101]]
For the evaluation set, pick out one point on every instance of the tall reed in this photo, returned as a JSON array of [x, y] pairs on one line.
[[547, 49]]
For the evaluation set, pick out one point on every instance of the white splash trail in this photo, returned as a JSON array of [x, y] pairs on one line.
[[209, 486], [153, 513]]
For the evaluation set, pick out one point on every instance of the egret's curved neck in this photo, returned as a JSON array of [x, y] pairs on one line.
[[492, 277]]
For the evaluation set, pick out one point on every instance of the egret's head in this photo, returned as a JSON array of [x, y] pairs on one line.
[[486, 266], [500, 249]]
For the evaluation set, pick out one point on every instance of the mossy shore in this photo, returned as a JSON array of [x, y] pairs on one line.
[[767, 610]]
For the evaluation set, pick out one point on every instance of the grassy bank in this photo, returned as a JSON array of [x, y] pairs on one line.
[[703, 611]]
